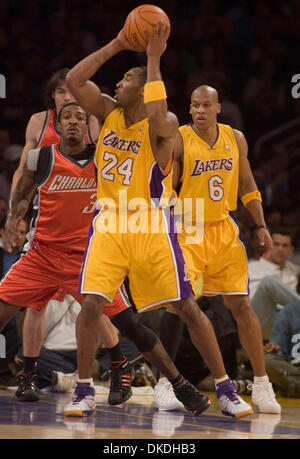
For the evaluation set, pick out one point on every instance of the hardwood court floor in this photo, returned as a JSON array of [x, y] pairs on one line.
[[138, 419]]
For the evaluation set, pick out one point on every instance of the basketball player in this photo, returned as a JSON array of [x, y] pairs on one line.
[[211, 163], [134, 161], [42, 129], [58, 173]]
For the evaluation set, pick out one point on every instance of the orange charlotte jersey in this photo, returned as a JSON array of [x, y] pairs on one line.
[[210, 173], [51, 267], [50, 134], [65, 202]]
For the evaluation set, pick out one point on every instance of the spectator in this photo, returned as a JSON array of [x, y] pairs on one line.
[[274, 280], [4, 144], [57, 361], [11, 158], [283, 351], [3, 208]]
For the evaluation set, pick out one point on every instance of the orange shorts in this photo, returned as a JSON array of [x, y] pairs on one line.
[[44, 273]]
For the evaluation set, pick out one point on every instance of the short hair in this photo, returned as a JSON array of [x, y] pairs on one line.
[[283, 232], [67, 105], [141, 74], [52, 84]]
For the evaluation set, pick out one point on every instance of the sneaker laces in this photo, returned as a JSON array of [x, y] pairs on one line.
[[119, 379], [28, 378], [82, 391], [232, 395]]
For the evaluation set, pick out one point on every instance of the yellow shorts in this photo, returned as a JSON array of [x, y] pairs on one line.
[[221, 258], [153, 263]]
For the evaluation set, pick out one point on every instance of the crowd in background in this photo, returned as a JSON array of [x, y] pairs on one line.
[[247, 50]]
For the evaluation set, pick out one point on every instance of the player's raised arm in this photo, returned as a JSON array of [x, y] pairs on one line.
[[86, 92], [162, 124]]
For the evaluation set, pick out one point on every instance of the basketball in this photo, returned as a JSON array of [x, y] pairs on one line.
[[141, 18]]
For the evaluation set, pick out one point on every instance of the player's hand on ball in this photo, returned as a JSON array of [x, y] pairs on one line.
[[157, 43], [123, 42]]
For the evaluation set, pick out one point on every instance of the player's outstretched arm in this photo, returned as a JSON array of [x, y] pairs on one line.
[[86, 92], [19, 203], [163, 124]]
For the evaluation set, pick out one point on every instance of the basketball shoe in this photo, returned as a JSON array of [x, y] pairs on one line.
[[187, 396], [120, 383], [190, 397], [27, 387], [263, 396], [63, 382], [83, 404], [164, 397], [230, 402]]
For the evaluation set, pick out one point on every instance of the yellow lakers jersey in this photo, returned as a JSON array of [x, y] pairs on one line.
[[210, 173], [127, 169]]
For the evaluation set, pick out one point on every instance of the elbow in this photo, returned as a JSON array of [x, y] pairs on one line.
[[69, 80], [72, 81]]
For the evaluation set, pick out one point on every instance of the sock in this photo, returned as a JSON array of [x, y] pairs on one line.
[[30, 364], [179, 379], [258, 379], [116, 354], [170, 333], [219, 380], [118, 363], [86, 381]]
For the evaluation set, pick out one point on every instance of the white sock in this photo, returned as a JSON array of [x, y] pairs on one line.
[[219, 380], [258, 379]]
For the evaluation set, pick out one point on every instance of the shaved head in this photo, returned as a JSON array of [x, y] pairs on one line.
[[206, 91], [205, 107]]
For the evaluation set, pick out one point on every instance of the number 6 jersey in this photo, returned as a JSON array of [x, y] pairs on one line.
[[211, 173]]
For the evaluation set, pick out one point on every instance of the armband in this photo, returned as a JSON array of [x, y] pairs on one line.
[[253, 195], [154, 90]]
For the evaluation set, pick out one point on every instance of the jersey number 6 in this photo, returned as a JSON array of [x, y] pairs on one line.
[[216, 192]]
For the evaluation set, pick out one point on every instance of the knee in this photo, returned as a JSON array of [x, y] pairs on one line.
[[132, 328], [91, 309], [268, 282], [187, 309], [34, 314], [241, 309]]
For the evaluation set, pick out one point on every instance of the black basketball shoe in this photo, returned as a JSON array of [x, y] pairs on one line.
[[28, 389], [120, 384], [190, 397]]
